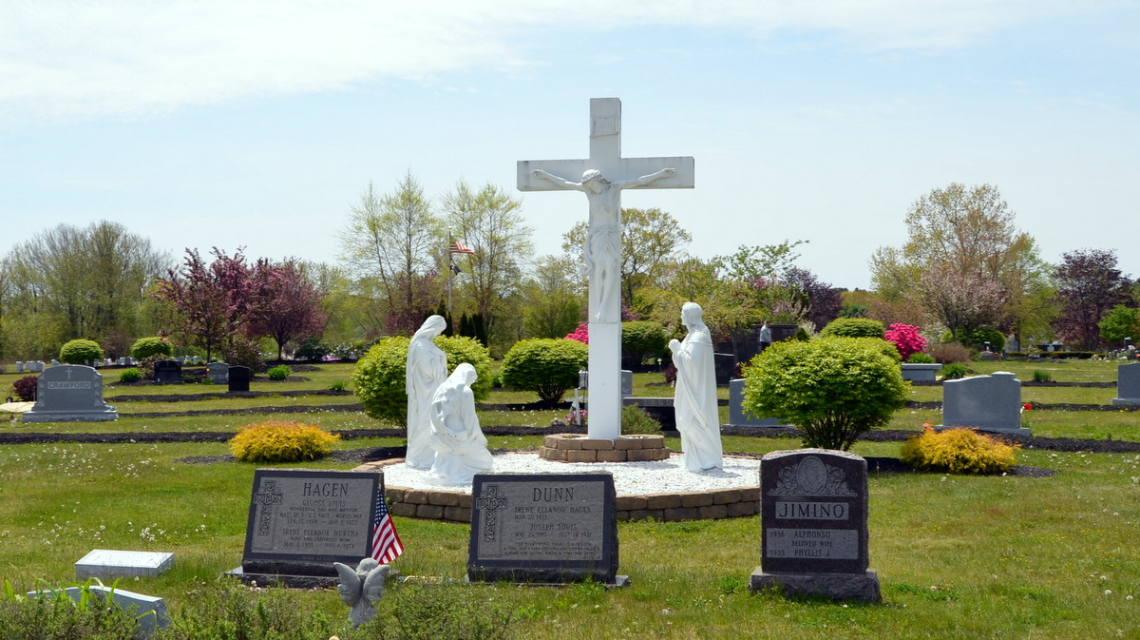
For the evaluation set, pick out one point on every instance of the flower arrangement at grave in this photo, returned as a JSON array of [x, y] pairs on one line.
[[906, 339]]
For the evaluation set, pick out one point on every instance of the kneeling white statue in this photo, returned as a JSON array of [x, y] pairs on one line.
[[361, 589], [459, 443]]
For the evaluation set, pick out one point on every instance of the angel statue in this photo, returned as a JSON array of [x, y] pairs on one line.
[[361, 589]]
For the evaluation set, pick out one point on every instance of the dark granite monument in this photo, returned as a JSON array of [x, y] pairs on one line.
[[168, 372], [70, 393], [239, 378], [300, 522], [813, 515], [549, 528]]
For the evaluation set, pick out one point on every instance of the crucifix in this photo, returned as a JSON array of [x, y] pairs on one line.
[[602, 177]]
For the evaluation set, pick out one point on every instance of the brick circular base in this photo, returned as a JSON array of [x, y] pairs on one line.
[[572, 447], [455, 506]]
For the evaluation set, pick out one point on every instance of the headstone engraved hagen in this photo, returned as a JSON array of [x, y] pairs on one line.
[[813, 514], [544, 528], [300, 522]]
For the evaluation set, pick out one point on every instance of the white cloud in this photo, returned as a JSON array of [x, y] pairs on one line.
[[81, 59]]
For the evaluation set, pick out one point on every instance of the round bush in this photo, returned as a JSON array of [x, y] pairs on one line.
[[920, 358], [279, 373], [25, 388], [954, 371], [958, 451], [547, 366], [130, 375], [853, 328], [152, 346], [80, 352], [244, 353], [641, 339], [276, 441], [833, 389], [379, 377]]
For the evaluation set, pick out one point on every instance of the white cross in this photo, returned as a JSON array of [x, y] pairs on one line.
[[605, 301]]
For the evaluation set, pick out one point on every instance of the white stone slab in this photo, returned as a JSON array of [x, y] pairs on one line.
[[150, 611], [108, 564]]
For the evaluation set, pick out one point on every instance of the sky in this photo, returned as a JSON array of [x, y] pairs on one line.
[[258, 124]]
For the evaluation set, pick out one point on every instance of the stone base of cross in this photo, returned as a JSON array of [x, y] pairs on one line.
[[605, 161]]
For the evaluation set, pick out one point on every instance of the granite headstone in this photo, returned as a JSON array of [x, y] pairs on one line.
[[239, 378], [724, 365], [987, 403], [218, 372], [301, 521], [737, 417], [547, 528], [168, 372], [1127, 384], [150, 611], [70, 393], [813, 516]]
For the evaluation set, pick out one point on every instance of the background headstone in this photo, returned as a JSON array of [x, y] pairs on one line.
[[736, 415], [626, 383], [218, 372], [1127, 384], [54, 362], [921, 371], [19, 366], [151, 611], [987, 403], [239, 377], [70, 393], [813, 515], [548, 528], [724, 365], [300, 522], [168, 372]]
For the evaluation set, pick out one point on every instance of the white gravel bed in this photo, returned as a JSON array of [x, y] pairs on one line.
[[630, 478]]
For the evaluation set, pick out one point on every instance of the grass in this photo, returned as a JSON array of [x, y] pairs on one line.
[[958, 557]]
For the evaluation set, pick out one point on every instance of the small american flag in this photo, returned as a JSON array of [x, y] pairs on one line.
[[459, 247], [386, 545]]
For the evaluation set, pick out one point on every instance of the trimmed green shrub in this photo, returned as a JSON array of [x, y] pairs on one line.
[[958, 451], [278, 441], [635, 420], [641, 339], [547, 366], [80, 352], [833, 389], [379, 377], [312, 349], [853, 328], [25, 388], [954, 371], [152, 346], [130, 375], [978, 338], [279, 373], [920, 358]]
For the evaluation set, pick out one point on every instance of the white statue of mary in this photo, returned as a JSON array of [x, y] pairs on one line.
[[459, 443], [695, 399], [426, 370]]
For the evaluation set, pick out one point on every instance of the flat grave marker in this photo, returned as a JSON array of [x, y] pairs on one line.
[[544, 528], [108, 564]]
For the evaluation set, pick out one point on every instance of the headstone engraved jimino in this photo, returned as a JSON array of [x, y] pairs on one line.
[[544, 528], [70, 393], [300, 522], [813, 505]]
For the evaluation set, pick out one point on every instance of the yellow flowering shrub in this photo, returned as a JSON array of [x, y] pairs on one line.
[[958, 451], [279, 441]]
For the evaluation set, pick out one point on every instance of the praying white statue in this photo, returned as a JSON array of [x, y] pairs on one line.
[[459, 443], [426, 370], [695, 399], [602, 251], [361, 589]]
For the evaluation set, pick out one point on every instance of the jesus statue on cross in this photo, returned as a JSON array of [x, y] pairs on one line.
[[601, 253], [603, 177]]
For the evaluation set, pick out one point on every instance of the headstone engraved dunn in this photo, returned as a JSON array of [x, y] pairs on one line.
[[546, 528], [168, 372], [300, 522], [1127, 384], [70, 393], [813, 514]]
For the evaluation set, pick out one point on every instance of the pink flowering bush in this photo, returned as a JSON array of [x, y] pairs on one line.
[[906, 339], [581, 334]]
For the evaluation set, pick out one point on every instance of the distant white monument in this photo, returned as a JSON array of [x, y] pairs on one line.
[[602, 177]]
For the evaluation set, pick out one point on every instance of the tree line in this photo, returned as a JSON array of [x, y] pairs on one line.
[[965, 266]]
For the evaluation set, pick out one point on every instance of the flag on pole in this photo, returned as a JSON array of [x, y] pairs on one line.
[[459, 247], [386, 545]]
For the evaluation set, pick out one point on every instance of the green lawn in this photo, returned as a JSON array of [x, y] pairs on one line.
[[958, 557]]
